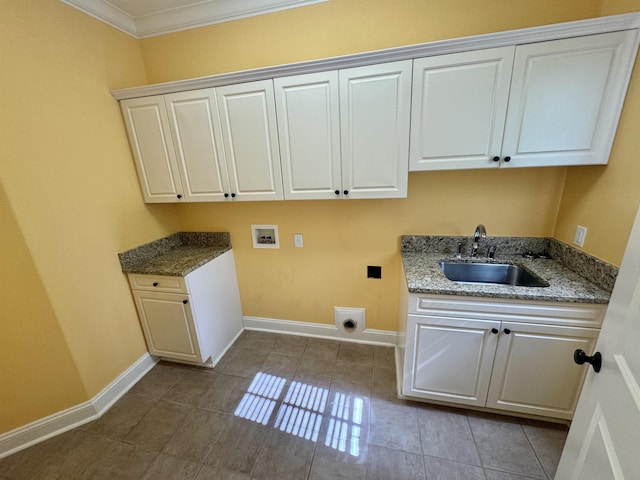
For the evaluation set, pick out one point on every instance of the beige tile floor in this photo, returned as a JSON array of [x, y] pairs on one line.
[[289, 407]]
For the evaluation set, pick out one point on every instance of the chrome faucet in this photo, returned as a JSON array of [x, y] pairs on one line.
[[477, 235]]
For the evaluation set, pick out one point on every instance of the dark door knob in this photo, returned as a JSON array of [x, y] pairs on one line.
[[155, 284], [595, 360], [226, 195], [337, 192], [507, 159], [233, 195], [346, 192], [496, 159], [185, 301], [179, 196], [507, 331], [494, 330]]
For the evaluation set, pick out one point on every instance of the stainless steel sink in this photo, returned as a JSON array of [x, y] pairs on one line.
[[494, 273]]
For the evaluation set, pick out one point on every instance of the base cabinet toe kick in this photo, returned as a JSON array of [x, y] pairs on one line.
[[501, 355]]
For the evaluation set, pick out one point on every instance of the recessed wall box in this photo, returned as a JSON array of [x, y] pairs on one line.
[[374, 271], [349, 320], [265, 236]]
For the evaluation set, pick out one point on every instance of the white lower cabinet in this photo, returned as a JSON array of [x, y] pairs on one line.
[[497, 354], [193, 318], [451, 359], [167, 321], [534, 372]]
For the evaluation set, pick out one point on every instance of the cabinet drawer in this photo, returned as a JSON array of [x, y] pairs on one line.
[[160, 283], [529, 311]]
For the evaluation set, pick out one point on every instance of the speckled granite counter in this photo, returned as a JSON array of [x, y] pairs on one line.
[[175, 255], [421, 256]]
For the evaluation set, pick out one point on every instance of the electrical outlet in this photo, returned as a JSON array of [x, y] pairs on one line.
[[581, 232], [297, 240]]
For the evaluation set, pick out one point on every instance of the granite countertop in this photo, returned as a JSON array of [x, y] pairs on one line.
[[424, 275], [175, 255]]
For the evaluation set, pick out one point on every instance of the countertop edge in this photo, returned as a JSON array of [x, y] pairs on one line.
[[176, 255], [424, 276], [187, 265]]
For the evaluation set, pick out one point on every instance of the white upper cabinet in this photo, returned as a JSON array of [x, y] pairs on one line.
[[564, 100], [249, 132], [215, 144], [344, 134], [148, 130], [333, 129], [195, 128], [458, 109], [308, 115], [375, 104]]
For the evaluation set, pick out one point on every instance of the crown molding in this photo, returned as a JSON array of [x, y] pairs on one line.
[[210, 13], [201, 14], [491, 40], [105, 12]]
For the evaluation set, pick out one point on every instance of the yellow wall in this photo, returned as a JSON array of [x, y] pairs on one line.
[[67, 173], [605, 199], [70, 199], [34, 356], [342, 237], [340, 27]]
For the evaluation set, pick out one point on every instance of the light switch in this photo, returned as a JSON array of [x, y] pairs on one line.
[[297, 240]]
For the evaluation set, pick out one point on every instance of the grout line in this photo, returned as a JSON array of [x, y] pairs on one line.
[[535, 453], [316, 449], [473, 437]]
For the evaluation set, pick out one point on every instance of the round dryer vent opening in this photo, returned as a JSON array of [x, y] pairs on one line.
[[350, 321], [350, 325]]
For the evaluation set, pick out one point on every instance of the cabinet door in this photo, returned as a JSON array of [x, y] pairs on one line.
[[195, 126], [534, 370], [459, 105], [148, 130], [375, 104], [168, 325], [565, 100], [449, 359], [309, 132], [248, 121]]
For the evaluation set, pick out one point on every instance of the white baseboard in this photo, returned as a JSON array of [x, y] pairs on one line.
[[121, 385], [320, 330], [40, 430]]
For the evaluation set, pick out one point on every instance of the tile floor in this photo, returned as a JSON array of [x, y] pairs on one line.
[[288, 407]]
